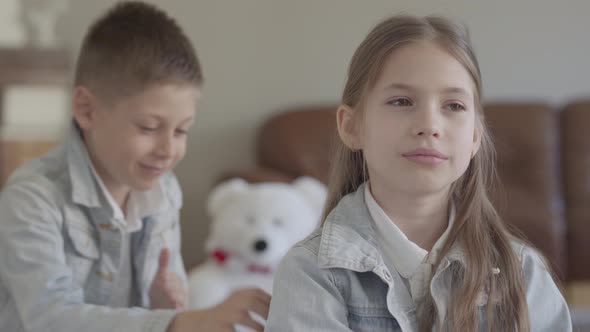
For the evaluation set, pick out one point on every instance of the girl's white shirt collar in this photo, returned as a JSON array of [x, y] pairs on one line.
[[406, 255]]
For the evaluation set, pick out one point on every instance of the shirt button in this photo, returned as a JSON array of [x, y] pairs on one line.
[[105, 275], [107, 227], [387, 275]]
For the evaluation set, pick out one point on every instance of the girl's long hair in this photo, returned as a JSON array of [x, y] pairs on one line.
[[478, 229]]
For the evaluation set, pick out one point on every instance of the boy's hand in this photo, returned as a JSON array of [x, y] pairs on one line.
[[167, 290], [222, 318]]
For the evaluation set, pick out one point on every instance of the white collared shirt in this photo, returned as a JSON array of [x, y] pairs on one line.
[[139, 205], [411, 261]]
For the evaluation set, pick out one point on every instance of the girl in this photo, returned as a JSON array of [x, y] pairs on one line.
[[410, 240]]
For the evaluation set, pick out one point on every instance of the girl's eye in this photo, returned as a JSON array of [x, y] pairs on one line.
[[147, 129], [456, 107], [181, 132], [400, 102]]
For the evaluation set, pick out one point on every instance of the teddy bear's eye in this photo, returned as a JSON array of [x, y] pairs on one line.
[[277, 222], [250, 220]]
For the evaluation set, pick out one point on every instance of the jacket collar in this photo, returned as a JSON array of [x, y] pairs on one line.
[[349, 239], [84, 188]]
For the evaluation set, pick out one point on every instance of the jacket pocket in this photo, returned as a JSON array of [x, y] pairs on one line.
[[83, 242], [82, 251], [164, 235], [164, 223], [371, 319]]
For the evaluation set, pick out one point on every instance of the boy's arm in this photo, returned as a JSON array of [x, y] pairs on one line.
[[172, 244], [33, 268], [177, 265]]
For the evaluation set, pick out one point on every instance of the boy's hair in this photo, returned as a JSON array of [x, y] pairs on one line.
[[478, 229], [133, 46]]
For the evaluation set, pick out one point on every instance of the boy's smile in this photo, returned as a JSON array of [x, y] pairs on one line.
[[135, 140]]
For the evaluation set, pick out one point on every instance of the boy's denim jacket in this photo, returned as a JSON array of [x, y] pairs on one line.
[[336, 280], [60, 250]]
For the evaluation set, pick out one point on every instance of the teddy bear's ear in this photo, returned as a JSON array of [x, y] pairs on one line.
[[314, 192], [223, 192]]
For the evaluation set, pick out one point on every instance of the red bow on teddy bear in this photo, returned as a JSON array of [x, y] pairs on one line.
[[221, 256]]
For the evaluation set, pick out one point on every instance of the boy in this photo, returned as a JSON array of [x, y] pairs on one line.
[[89, 234]]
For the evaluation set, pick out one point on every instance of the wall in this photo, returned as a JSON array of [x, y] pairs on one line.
[[262, 56]]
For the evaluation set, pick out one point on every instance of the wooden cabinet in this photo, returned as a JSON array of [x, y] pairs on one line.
[[16, 152], [28, 67]]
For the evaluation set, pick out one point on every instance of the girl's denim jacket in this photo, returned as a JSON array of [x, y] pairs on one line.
[[336, 280], [60, 250]]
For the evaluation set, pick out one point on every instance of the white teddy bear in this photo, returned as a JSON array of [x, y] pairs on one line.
[[253, 227]]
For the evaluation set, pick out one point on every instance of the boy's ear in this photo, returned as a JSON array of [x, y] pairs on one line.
[[348, 128], [83, 107]]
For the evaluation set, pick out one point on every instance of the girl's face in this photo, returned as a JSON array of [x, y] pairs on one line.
[[418, 133]]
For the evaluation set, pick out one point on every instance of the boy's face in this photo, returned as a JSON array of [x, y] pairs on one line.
[[135, 140]]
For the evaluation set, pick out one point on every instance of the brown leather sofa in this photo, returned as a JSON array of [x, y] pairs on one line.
[[543, 166]]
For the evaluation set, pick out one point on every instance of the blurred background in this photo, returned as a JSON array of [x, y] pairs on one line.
[[261, 57]]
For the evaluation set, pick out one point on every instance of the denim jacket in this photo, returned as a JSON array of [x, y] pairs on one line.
[[336, 280], [60, 250]]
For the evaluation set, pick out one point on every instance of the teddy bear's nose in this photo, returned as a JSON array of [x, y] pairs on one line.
[[260, 245]]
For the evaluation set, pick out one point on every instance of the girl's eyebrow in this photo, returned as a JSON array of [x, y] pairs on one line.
[[407, 87], [456, 90], [400, 86]]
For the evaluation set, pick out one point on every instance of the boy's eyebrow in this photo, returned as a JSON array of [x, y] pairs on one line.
[[189, 121], [161, 119], [402, 86], [155, 116]]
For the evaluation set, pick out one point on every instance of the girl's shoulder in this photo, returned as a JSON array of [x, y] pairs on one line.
[[303, 257], [310, 244], [532, 260], [519, 247], [547, 307]]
